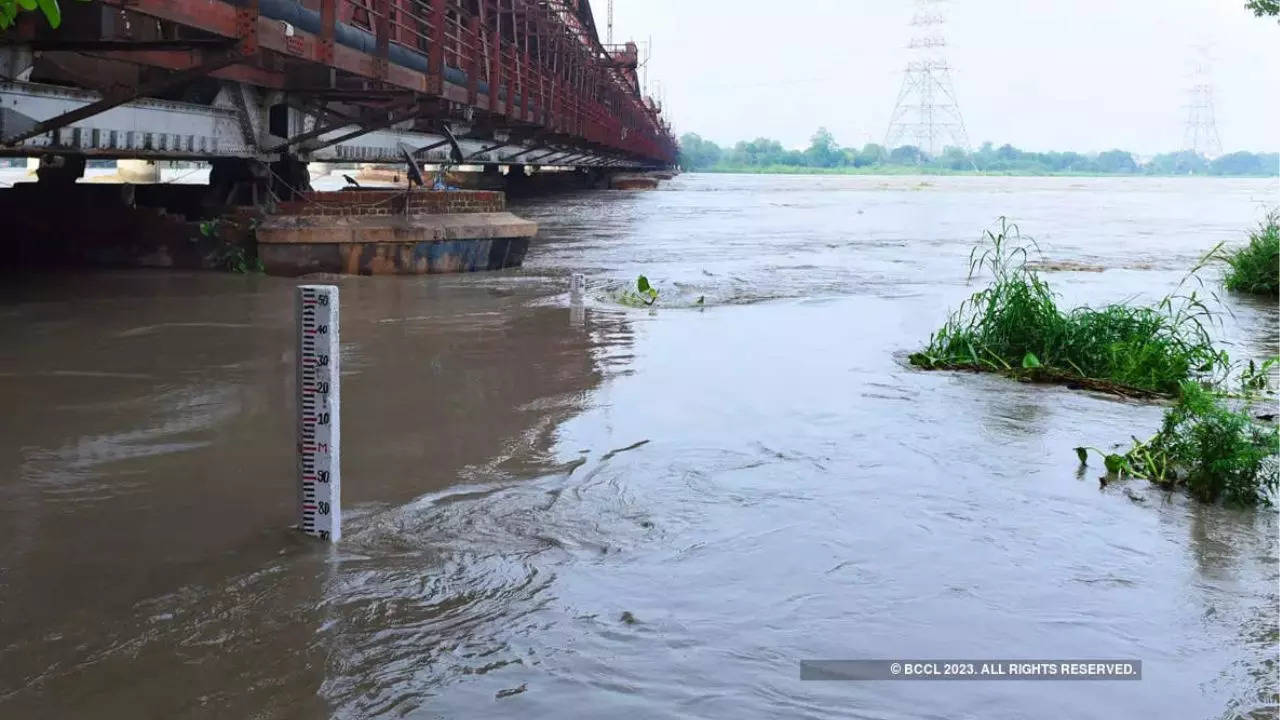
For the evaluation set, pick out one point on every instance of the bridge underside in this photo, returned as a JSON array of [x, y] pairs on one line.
[[465, 81], [171, 130]]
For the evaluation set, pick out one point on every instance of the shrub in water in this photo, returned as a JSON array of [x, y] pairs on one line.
[[1255, 268], [1015, 326], [1213, 450]]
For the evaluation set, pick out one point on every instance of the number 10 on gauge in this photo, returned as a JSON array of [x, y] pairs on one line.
[[319, 478]]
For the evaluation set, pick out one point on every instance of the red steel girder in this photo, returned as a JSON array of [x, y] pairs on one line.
[[539, 62]]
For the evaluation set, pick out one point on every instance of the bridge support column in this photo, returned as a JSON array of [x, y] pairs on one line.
[[60, 169], [237, 181], [593, 178], [16, 62], [289, 176], [518, 182]]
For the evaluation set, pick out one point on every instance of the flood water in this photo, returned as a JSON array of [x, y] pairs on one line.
[[752, 481]]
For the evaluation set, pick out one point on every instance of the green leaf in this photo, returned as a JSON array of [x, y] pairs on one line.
[[642, 284], [27, 4], [51, 12], [1030, 361], [1083, 454], [1115, 463]]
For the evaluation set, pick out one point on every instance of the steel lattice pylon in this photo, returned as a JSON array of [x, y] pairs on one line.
[[927, 114], [1201, 134]]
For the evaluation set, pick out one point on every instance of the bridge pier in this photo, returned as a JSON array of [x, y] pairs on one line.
[[60, 169], [289, 177], [238, 181]]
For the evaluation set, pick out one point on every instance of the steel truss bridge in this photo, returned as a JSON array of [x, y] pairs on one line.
[[488, 82]]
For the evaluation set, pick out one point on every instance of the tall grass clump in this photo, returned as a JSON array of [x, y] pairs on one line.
[[1015, 326], [1210, 443], [1255, 268]]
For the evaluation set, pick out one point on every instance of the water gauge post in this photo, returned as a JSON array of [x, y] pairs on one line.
[[318, 407]]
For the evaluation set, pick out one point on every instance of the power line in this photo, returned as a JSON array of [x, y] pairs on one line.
[[1201, 132], [927, 112]]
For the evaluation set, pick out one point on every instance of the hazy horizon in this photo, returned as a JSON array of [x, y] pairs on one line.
[[1088, 77]]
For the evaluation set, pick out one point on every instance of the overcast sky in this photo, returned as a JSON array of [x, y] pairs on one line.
[[1078, 74]]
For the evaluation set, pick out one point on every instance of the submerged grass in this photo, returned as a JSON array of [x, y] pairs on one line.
[[1255, 268], [1209, 443], [1016, 327]]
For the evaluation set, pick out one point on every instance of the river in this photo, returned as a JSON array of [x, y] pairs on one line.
[[614, 511]]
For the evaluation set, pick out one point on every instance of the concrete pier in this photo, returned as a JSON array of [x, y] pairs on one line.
[[632, 181], [296, 245], [173, 226], [379, 232]]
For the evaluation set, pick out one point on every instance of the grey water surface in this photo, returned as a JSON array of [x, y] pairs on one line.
[[611, 512]]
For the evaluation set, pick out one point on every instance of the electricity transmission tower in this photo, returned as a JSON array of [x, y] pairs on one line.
[[1201, 134], [927, 114]]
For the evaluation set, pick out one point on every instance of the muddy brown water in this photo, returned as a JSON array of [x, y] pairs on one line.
[[754, 482]]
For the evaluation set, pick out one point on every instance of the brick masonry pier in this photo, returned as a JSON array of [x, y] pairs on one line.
[[365, 231]]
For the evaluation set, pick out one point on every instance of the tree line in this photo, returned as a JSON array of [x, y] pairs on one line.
[[764, 154]]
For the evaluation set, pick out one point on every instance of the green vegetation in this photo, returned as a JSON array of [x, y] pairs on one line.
[[228, 255], [1264, 8], [1211, 442], [824, 155], [1255, 268], [643, 296], [1015, 327], [1215, 451], [9, 10]]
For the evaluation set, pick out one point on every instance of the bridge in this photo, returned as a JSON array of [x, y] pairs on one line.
[[279, 83]]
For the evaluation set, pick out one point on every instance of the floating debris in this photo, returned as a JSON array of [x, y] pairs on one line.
[[510, 691]]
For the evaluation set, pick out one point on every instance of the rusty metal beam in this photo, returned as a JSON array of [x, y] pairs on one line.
[[315, 132], [545, 54], [522, 152], [547, 155], [392, 118], [59, 44], [115, 98], [484, 150], [429, 148]]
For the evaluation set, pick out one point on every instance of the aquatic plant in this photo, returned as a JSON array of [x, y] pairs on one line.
[[1210, 443], [1015, 326], [643, 296], [228, 255], [1255, 268], [9, 10]]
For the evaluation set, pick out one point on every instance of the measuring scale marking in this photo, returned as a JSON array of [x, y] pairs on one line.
[[318, 376]]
